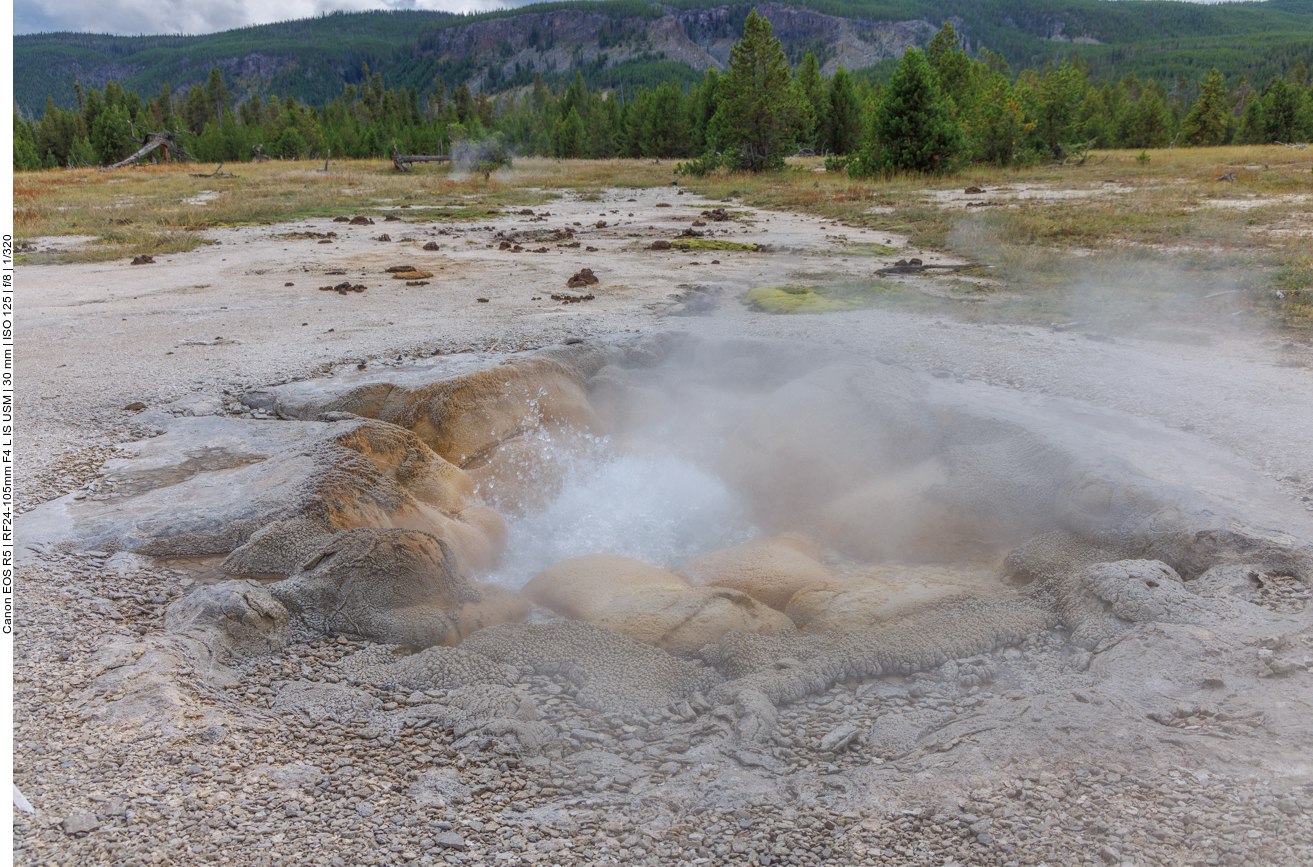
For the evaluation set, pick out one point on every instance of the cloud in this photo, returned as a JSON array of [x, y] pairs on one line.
[[133, 17]]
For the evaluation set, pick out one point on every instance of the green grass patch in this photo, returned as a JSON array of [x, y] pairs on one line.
[[1294, 281], [866, 248], [120, 244], [925, 225]]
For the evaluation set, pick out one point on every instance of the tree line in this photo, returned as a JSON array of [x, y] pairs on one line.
[[941, 109]]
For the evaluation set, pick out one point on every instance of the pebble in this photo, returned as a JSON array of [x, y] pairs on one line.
[[79, 823], [236, 785]]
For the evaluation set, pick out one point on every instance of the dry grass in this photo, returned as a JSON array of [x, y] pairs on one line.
[[1169, 217]]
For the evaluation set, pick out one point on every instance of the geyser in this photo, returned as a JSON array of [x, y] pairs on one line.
[[708, 526]]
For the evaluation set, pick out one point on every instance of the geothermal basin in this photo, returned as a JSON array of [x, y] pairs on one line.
[[722, 592]]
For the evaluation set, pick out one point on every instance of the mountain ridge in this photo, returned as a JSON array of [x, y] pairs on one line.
[[619, 42]]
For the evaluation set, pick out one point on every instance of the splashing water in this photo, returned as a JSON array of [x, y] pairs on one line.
[[660, 509]]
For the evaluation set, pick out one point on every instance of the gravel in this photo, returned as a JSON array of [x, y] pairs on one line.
[[983, 762]]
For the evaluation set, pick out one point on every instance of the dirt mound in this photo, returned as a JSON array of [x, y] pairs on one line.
[[585, 277]]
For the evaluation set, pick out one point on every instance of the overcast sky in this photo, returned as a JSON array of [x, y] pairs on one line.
[[132, 17]]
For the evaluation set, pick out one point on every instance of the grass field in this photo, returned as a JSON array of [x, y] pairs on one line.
[[1114, 222]]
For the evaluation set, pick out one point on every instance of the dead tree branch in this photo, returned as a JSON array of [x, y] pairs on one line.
[[218, 173], [1083, 150]]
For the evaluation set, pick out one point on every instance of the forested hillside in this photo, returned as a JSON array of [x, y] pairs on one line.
[[943, 107], [621, 45]]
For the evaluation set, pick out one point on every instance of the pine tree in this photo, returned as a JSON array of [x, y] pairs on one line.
[[570, 135], [845, 114], [216, 95], [998, 123], [1151, 120], [109, 136], [816, 104], [1282, 119], [913, 128], [665, 129], [1053, 100], [195, 111], [704, 109], [464, 103], [25, 153], [759, 109], [163, 108], [1206, 122], [81, 153], [950, 64]]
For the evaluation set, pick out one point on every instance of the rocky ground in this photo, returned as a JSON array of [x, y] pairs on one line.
[[999, 767]]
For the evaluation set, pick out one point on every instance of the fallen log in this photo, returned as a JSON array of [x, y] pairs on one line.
[[165, 139], [402, 163]]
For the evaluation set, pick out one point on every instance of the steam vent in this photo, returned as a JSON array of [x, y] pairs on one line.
[[673, 599]]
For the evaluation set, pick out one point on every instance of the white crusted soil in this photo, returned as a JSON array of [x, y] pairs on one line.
[[1180, 743]]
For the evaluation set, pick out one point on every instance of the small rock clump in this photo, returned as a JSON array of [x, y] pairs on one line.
[[584, 277]]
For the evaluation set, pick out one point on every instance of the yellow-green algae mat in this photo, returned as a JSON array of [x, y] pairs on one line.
[[824, 299], [714, 244]]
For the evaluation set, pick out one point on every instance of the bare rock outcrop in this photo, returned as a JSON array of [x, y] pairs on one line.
[[649, 604], [769, 570], [1101, 602], [788, 668], [206, 632], [235, 619], [610, 671], [457, 411], [209, 485], [837, 606], [393, 587]]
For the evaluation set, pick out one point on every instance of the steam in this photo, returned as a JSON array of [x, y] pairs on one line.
[[483, 157], [1137, 291], [658, 508]]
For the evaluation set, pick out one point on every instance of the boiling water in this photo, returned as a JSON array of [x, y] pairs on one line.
[[662, 509]]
